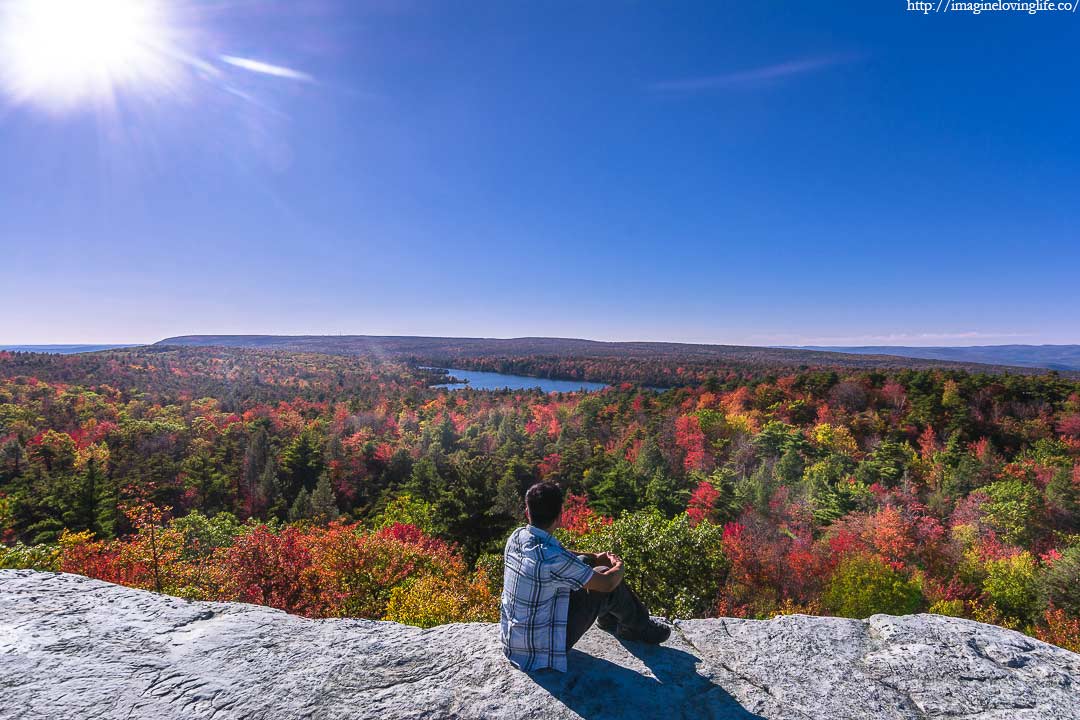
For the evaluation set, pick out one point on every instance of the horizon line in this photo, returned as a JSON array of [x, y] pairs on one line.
[[803, 346]]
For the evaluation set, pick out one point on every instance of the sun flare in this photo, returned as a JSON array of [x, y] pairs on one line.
[[65, 53]]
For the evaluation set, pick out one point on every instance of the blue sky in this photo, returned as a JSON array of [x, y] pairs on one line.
[[750, 173]]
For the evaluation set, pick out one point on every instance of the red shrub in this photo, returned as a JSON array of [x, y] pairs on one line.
[[702, 505], [578, 518], [272, 569]]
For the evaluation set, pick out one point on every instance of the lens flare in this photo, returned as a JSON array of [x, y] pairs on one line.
[[59, 54]]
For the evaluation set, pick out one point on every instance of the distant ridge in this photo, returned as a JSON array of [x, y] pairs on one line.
[[1052, 357], [440, 350]]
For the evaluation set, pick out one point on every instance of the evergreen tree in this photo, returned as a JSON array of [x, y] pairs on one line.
[[650, 459], [789, 468], [665, 493], [270, 500], [301, 464], [510, 491], [301, 508], [323, 501], [425, 482], [464, 508], [618, 490], [106, 510], [12, 460], [202, 474], [256, 458], [396, 473], [94, 507], [1063, 497]]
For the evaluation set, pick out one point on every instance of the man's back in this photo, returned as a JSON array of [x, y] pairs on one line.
[[539, 576]]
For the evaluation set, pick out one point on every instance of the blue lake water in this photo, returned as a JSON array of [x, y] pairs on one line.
[[499, 381], [61, 349]]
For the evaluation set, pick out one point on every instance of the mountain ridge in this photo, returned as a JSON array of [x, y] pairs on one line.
[[1065, 358], [435, 350]]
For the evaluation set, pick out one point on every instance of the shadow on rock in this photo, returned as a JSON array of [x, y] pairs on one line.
[[596, 688]]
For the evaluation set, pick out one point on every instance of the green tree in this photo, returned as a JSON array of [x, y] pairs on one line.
[[407, 510], [618, 490], [202, 535], [464, 505], [829, 491], [1063, 497], [324, 501], [1060, 582], [789, 468], [665, 493], [676, 569], [864, 585], [12, 459], [202, 474], [1013, 507], [301, 508], [269, 498], [88, 487], [301, 464], [1012, 586], [256, 458], [510, 491], [886, 465], [775, 438]]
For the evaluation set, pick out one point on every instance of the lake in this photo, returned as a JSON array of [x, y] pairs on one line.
[[499, 381], [62, 349]]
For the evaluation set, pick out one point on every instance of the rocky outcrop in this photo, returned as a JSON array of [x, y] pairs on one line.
[[71, 647]]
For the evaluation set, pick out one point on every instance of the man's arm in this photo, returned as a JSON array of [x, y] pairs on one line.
[[606, 559], [606, 579]]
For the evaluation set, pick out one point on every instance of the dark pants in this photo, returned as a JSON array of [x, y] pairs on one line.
[[620, 606]]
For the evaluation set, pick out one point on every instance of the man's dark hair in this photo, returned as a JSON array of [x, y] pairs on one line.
[[544, 501]]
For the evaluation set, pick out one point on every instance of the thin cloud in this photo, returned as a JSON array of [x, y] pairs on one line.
[[257, 66], [752, 76]]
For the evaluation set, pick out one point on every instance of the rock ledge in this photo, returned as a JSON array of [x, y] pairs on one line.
[[71, 647]]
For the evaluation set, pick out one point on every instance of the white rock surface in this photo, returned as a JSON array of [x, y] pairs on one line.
[[71, 647]]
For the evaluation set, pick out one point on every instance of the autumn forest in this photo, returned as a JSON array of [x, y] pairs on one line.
[[337, 485]]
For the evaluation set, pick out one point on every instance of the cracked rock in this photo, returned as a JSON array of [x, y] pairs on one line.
[[71, 647]]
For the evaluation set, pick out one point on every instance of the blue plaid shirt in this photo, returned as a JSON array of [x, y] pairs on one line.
[[539, 577]]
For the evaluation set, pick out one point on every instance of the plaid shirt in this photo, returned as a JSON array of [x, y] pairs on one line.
[[540, 574]]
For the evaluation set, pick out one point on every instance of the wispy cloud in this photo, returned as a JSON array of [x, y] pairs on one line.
[[752, 76], [257, 66]]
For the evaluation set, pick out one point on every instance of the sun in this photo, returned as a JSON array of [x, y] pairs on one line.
[[61, 54]]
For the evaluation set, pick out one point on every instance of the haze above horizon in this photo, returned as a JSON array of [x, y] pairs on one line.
[[845, 174]]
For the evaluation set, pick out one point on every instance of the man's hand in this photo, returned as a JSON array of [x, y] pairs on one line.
[[608, 579], [608, 558]]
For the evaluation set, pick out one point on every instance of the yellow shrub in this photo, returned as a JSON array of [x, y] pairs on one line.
[[435, 600], [1011, 586], [69, 539], [951, 608], [835, 438], [992, 616], [741, 423], [790, 607]]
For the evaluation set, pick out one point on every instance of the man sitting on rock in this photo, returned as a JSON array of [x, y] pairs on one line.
[[551, 596]]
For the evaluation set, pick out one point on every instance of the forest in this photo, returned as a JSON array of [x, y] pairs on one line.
[[337, 485], [653, 364]]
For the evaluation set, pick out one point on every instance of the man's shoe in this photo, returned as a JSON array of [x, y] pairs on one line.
[[653, 633]]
